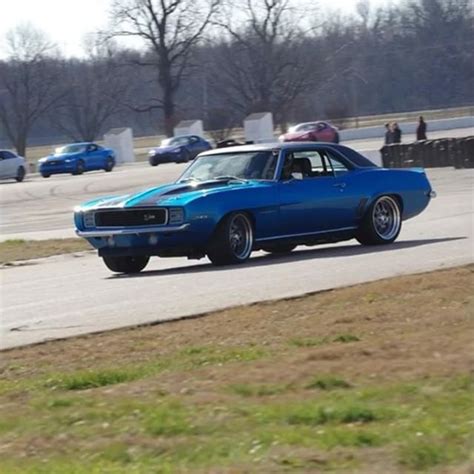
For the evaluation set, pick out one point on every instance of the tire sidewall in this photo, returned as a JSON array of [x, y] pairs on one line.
[[20, 174], [368, 234], [219, 250]]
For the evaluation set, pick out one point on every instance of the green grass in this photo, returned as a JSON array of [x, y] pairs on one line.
[[258, 390], [424, 423], [328, 382], [346, 338]]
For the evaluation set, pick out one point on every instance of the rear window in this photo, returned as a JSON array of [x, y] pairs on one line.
[[357, 158]]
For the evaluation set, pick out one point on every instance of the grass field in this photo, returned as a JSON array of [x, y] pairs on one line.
[[18, 249], [373, 378]]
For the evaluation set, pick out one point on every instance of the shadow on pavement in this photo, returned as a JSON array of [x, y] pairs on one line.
[[296, 256]]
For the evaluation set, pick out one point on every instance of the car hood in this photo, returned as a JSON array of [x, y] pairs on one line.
[[176, 194], [61, 156]]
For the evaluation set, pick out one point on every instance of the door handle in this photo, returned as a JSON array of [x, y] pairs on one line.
[[340, 185]]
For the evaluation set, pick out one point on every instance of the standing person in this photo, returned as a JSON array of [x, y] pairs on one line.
[[388, 134], [421, 129], [397, 133]]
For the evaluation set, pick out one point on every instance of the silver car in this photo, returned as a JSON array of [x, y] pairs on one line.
[[12, 166]]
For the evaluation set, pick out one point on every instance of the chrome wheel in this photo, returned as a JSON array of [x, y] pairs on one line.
[[240, 236], [386, 218]]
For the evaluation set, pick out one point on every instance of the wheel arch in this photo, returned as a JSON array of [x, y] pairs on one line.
[[398, 198]]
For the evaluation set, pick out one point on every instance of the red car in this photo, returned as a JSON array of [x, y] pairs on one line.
[[311, 132]]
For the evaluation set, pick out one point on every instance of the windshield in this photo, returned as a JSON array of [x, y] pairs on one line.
[[246, 165], [69, 149], [302, 127], [175, 141]]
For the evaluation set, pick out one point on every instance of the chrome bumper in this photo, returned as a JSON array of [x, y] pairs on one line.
[[432, 194], [132, 231]]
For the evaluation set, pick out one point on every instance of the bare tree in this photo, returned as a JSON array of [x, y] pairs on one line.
[[95, 91], [29, 79], [265, 64], [171, 29]]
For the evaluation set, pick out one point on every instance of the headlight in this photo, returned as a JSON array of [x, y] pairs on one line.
[[67, 161], [151, 152], [89, 219], [176, 215]]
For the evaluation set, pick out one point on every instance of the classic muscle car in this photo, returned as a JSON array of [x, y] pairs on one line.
[[77, 158], [232, 201]]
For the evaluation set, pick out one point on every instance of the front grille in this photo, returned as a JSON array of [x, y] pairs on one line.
[[130, 217]]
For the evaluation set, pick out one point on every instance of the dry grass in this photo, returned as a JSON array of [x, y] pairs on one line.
[[372, 378], [14, 250]]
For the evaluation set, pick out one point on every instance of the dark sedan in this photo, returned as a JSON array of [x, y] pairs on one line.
[[179, 149], [311, 132]]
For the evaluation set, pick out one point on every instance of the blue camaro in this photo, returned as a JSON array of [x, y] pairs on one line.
[[179, 149], [272, 197], [77, 158]]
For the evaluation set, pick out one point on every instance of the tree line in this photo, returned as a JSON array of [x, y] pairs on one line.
[[219, 60]]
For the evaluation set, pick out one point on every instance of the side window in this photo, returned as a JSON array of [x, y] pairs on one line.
[[313, 163], [7, 154], [337, 167]]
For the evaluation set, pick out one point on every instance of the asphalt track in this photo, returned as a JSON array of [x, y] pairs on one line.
[[75, 294]]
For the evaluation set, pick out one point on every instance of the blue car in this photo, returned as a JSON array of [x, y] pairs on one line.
[[179, 149], [232, 201], [77, 158]]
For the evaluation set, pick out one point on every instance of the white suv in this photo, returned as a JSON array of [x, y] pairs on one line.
[[12, 166]]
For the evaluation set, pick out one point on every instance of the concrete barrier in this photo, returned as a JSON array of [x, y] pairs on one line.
[[406, 128], [444, 152]]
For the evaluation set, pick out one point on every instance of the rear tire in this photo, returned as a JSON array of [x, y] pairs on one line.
[[232, 241], [127, 264], [153, 162], [45, 175], [20, 174], [382, 222]]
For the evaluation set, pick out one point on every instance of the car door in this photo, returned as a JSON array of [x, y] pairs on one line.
[[195, 146], [320, 201], [8, 164], [324, 132], [93, 157]]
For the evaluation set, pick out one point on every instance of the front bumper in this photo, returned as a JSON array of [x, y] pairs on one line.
[[57, 168], [132, 231]]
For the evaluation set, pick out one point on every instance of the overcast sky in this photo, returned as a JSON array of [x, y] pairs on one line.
[[68, 21]]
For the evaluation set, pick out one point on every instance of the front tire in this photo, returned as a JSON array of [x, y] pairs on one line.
[[45, 175], [20, 174], [232, 241], [153, 161], [382, 222], [109, 165], [186, 157], [127, 264], [79, 168]]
